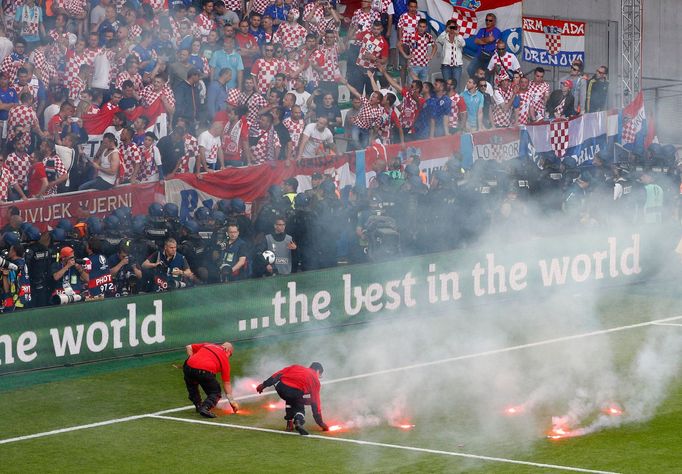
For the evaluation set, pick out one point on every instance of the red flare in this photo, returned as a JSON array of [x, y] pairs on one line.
[[515, 410], [335, 428], [274, 405], [405, 426], [613, 410]]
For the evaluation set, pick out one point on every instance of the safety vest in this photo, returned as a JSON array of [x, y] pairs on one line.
[[653, 206]]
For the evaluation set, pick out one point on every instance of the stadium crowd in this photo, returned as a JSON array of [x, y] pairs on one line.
[[244, 84]]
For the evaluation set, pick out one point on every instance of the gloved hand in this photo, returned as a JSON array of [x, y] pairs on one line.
[[260, 388], [324, 427], [318, 420], [235, 406]]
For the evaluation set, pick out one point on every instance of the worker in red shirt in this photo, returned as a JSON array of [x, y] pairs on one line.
[[298, 386], [204, 361]]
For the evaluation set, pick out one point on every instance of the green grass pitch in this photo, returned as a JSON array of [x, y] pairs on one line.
[[456, 374]]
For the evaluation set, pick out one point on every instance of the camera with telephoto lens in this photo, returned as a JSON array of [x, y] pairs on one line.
[[7, 265], [66, 298], [81, 261]]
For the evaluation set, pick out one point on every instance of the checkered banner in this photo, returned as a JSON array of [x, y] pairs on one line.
[[553, 42]]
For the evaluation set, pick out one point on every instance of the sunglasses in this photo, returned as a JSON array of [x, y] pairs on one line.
[[575, 68], [489, 20]]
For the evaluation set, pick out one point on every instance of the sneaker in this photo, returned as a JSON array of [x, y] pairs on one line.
[[206, 413], [197, 408], [290, 425], [299, 427]]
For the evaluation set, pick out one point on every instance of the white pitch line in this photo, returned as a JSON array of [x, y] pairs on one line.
[[354, 377], [384, 445], [668, 324]]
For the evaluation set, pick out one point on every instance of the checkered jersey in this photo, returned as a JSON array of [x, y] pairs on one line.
[[264, 72], [409, 108], [21, 117], [125, 76], [73, 64], [234, 5], [266, 148], [322, 25], [45, 71], [295, 128], [130, 156], [312, 15], [76, 86], [19, 164], [190, 156], [203, 25], [147, 164], [150, 95], [540, 89], [530, 101], [328, 59], [134, 32], [290, 35], [254, 104], [457, 106], [259, 6], [90, 54], [507, 64], [30, 20], [501, 114], [54, 168], [376, 46], [6, 181], [421, 49], [408, 25], [156, 4], [387, 119], [368, 116], [11, 64], [362, 20], [235, 97], [33, 87], [74, 8]]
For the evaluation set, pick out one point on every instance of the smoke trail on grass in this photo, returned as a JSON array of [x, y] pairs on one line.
[[463, 403]]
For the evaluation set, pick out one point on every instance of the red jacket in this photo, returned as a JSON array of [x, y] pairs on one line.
[[304, 379], [210, 357]]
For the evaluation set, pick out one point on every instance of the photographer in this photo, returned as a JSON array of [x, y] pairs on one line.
[[169, 267], [16, 288], [70, 276], [124, 271], [100, 282]]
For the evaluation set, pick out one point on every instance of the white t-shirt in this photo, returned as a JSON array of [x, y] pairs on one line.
[[302, 100], [211, 145], [101, 70], [50, 111], [316, 140], [97, 15]]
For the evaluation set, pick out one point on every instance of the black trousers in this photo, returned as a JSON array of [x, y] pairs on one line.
[[295, 404], [194, 378]]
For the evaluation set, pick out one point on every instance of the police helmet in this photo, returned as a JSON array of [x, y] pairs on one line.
[[328, 187], [275, 191], [412, 169], [225, 205], [202, 214], [123, 213], [238, 206], [170, 210], [11, 238], [31, 233], [191, 225], [301, 200], [218, 216], [95, 226], [155, 210], [112, 222], [58, 234], [139, 223], [65, 224]]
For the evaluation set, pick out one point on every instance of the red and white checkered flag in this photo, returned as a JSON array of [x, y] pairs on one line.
[[466, 19], [558, 137], [553, 39]]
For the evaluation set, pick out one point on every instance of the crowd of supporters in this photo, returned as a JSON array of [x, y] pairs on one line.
[[240, 84]]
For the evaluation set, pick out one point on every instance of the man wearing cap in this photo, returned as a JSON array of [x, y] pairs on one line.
[[70, 277], [203, 362], [298, 386]]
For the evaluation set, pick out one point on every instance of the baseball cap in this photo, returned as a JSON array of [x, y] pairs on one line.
[[317, 175], [65, 253], [568, 83]]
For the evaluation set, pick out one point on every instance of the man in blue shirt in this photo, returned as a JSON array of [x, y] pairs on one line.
[[486, 39], [8, 98], [255, 29], [216, 96], [169, 267], [474, 101], [228, 58], [278, 12]]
